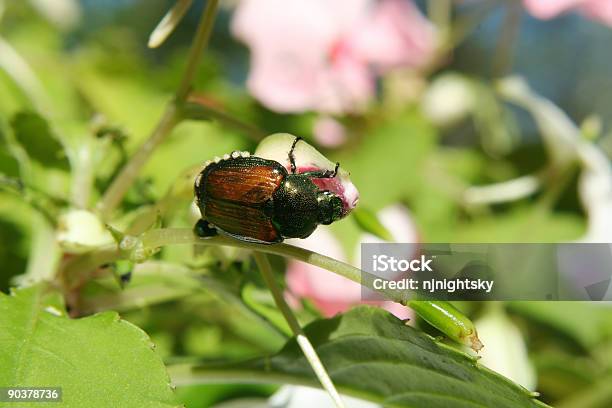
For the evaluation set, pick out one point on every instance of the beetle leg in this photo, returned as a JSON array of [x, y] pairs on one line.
[[204, 229], [335, 173], [291, 155]]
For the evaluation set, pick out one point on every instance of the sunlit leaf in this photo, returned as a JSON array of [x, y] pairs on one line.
[[369, 222], [99, 360]]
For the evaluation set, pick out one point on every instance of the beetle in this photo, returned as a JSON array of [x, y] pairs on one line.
[[257, 200]]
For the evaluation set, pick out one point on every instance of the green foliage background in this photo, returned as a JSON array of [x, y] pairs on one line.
[[99, 86]]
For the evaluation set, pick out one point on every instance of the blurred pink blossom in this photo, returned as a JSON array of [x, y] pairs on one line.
[[600, 10], [330, 292], [329, 132], [322, 55]]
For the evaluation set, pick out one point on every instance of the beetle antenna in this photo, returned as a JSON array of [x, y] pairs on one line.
[[291, 155]]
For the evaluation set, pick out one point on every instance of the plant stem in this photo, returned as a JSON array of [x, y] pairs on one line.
[[559, 179], [198, 45], [506, 191], [448, 321], [82, 177], [120, 185], [173, 236], [184, 236], [197, 109], [81, 268], [44, 251], [504, 52], [168, 23], [309, 352], [266, 271], [226, 295]]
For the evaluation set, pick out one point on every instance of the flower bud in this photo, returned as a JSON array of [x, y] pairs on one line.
[[81, 230], [307, 158]]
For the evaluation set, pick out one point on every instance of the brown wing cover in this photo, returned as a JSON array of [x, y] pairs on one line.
[[232, 195], [243, 182], [240, 220]]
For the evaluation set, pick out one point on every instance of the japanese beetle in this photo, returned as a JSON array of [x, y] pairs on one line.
[[257, 200]]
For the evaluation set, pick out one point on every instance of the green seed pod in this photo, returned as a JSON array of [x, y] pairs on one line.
[[450, 321]]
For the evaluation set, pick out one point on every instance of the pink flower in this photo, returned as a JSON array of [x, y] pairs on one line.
[[329, 132], [322, 55], [397, 35], [330, 292], [600, 10]]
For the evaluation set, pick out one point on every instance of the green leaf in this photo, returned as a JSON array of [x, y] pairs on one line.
[[261, 302], [388, 165], [369, 222], [371, 354], [8, 164], [34, 134], [98, 361]]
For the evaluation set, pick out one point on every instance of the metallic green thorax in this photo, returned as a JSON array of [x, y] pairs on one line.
[[299, 206]]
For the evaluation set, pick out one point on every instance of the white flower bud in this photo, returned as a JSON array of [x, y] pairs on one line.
[[81, 230]]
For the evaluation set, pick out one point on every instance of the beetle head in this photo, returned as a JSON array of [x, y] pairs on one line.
[[330, 207]]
